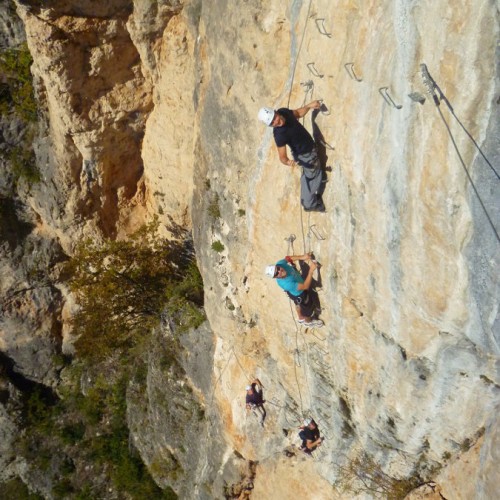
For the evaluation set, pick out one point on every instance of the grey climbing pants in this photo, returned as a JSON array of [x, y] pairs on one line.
[[310, 181]]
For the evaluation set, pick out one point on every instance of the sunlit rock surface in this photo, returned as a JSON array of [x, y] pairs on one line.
[[150, 109]]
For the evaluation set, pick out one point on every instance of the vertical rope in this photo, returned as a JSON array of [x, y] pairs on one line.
[[467, 173], [298, 53]]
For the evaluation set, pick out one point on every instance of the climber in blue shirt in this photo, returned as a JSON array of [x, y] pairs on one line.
[[297, 287]]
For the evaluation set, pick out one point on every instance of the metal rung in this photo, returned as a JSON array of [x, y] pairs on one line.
[[320, 24], [316, 333], [313, 70], [314, 230], [319, 348], [384, 92], [349, 67]]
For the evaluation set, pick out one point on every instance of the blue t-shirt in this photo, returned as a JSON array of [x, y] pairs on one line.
[[292, 279], [293, 134]]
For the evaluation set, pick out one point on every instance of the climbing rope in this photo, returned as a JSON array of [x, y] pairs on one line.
[[239, 363], [468, 175], [432, 87], [298, 53]]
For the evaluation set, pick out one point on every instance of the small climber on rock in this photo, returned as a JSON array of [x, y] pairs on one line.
[[297, 286], [255, 399], [310, 436], [287, 130]]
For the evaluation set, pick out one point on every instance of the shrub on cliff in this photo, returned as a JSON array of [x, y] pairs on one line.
[[16, 89], [17, 99], [122, 287]]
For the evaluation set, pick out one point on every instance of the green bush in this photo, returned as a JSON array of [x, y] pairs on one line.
[[217, 246], [106, 445], [364, 475], [72, 433], [214, 208], [23, 163], [63, 488], [15, 489], [122, 287], [17, 89], [17, 96]]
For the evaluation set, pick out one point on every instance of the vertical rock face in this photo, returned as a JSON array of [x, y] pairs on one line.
[[150, 108], [406, 367]]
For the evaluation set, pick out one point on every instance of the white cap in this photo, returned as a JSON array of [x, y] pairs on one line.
[[248, 387], [270, 270], [266, 115], [308, 421]]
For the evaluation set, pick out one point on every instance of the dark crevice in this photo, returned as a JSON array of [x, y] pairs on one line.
[[26, 386]]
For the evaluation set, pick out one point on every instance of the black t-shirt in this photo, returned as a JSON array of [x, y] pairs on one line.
[[293, 134], [310, 434], [255, 398]]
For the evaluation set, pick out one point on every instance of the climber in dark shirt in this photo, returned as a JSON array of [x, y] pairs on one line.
[[254, 399], [288, 131], [310, 436]]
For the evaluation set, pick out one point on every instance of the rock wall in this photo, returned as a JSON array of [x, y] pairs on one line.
[[406, 367], [149, 108]]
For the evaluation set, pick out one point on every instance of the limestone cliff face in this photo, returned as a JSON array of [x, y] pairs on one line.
[[406, 367], [150, 108]]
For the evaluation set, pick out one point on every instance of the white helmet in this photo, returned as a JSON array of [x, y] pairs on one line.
[[270, 270], [266, 115], [307, 422]]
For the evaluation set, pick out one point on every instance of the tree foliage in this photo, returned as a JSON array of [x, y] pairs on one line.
[[16, 91], [17, 98], [123, 286]]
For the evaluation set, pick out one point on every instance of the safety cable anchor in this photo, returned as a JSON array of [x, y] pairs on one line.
[[417, 97], [384, 92], [429, 83], [349, 67], [308, 85]]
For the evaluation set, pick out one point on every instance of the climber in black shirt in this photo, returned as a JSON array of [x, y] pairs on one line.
[[310, 436], [288, 131], [255, 399]]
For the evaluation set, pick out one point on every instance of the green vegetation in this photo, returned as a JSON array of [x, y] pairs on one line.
[[92, 427], [364, 475], [217, 246], [213, 209], [17, 97], [123, 286], [23, 164], [15, 489], [17, 90]]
